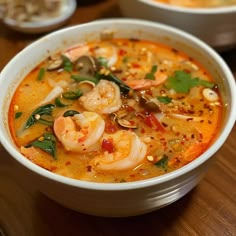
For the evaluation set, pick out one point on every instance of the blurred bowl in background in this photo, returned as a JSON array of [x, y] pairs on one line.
[[216, 26], [41, 24]]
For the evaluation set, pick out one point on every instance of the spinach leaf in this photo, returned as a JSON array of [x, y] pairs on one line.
[[47, 144], [40, 111]]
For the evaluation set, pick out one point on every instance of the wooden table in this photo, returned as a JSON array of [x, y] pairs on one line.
[[208, 210]]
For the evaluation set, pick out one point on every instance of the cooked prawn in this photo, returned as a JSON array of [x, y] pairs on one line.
[[104, 98], [81, 132], [137, 84], [73, 53], [109, 52], [129, 151]]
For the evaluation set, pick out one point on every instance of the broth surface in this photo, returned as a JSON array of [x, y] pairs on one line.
[[115, 110], [199, 3]]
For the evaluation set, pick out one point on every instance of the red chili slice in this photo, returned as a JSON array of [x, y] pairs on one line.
[[153, 122], [107, 145]]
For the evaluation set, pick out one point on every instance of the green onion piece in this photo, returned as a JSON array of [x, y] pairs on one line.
[[67, 64], [18, 115], [45, 122], [41, 74], [151, 75], [59, 103], [72, 95], [102, 61], [80, 78], [70, 113]]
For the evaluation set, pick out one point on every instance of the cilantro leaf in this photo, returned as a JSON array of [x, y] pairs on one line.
[[165, 99], [163, 162], [151, 74], [182, 82]]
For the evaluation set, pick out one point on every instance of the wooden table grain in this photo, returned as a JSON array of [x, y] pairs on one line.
[[208, 210]]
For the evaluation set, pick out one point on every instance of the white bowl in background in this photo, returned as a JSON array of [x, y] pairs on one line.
[[117, 199], [41, 26], [216, 26]]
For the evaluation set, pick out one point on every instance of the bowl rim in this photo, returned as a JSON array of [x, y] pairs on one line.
[[136, 184], [199, 10]]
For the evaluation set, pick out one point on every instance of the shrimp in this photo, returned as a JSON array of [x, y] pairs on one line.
[[81, 132], [104, 98], [129, 152], [137, 84], [73, 53], [109, 52]]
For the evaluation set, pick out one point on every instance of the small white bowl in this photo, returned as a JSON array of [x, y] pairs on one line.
[[42, 26], [117, 199], [216, 26]]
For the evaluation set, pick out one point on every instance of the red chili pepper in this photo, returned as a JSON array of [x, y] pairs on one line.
[[122, 52], [110, 128], [153, 122], [107, 145], [135, 65]]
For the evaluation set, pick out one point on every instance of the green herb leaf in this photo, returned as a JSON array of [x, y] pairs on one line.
[[151, 75], [48, 144], [59, 103], [80, 78], [165, 99], [163, 162], [67, 64], [41, 74], [18, 115], [70, 113], [72, 95], [123, 87], [102, 61], [125, 59], [182, 82], [43, 110]]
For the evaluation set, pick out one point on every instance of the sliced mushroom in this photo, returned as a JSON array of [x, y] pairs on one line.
[[149, 103], [87, 65], [126, 123], [86, 86], [210, 95], [55, 64]]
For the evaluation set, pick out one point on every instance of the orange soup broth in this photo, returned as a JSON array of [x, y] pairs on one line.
[[198, 3], [165, 133]]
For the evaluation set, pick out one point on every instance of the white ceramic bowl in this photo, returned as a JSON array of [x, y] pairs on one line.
[[216, 26], [117, 199], [41, 26]]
